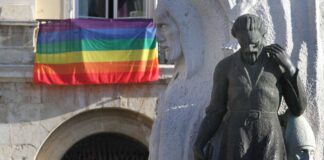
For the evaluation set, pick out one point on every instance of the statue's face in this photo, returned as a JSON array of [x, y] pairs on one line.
[[305, 153], [168, 36], [250, 40]]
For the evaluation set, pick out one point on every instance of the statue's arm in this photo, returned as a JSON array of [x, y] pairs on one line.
[[216, 109], [292, 87], [294, 93]]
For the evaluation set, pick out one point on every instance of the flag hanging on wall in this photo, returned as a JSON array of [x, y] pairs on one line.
[[92, 51]]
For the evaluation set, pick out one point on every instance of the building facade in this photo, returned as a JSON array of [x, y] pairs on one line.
[[62, 9], [52, 122]]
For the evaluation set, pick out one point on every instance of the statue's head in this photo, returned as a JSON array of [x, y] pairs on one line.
[[300, 140], [168, 34], [179, 33], [250, 31]]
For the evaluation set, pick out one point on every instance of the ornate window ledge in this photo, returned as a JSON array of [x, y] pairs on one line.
[[18, 23]]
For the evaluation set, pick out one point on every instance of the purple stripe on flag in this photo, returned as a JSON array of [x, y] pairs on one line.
[[72, 24]]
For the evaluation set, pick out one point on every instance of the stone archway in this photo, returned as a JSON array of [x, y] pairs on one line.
[[118, 121]]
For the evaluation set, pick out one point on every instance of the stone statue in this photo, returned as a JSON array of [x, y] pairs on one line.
[[300, 140], [179, 111], [248, 88], [174, 41]]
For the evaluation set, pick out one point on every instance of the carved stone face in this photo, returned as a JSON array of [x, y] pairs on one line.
[[305, 153], [249, 40], [168, 35], [251, 43]]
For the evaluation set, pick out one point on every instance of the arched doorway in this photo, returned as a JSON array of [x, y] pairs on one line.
[[125, 124], [104, 146]]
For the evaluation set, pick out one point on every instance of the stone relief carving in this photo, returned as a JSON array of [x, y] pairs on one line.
[[168, 35], [180, 37], [233, 9], [299, 138], [169, 17], [283, 20]]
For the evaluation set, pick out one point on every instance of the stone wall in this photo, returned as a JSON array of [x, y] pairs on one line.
[[22, 10], [16, 42], [29, 113]]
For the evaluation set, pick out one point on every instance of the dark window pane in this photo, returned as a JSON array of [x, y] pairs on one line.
[[92, 8], [131, 8]]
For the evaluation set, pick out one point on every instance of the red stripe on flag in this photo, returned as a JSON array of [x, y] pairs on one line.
[[97, 78], [95, 67]]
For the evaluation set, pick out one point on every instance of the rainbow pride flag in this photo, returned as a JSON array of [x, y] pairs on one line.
[[92, 51]]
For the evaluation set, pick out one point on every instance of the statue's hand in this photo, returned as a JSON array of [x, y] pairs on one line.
[[279, 55], [198, 152]]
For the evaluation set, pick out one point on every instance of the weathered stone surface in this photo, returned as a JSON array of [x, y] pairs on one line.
[[16, 43], [24, 112], [29, 113], [30, 93], [5, 151], [181, 107], [5, 135], [107, 102], [94, 94], [27, 133], [17, 56], [16, 36], [28, 6], [22, 152], [17, 12], [4, 108], [145, 106], [296, 25], [25, 139], [7, 93]]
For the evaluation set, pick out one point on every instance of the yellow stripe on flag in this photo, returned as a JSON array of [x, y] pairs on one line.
[[97, 56]]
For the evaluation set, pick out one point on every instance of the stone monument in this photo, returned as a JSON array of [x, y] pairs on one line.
[[203, 27], [180, 110], [248, 87], [176, 112]]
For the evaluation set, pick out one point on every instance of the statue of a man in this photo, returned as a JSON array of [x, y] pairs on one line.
[[248, 87]]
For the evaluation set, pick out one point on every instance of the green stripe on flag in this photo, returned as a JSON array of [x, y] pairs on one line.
[[95, 45]]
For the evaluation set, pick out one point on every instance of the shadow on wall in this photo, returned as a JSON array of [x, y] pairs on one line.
[[303, 49]]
